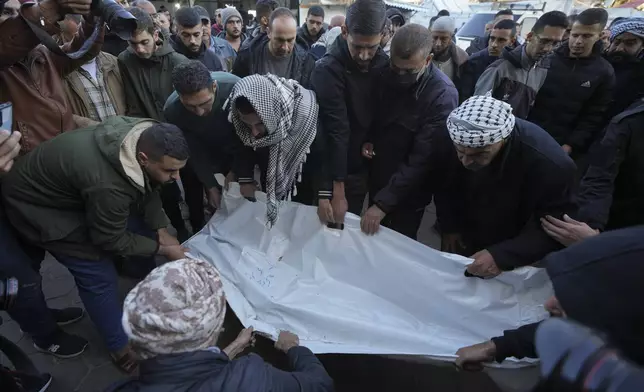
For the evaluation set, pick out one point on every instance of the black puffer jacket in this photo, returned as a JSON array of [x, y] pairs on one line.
[[251, 60], [572, 103], [346, 98], [402, 138], [206, 56], [612, 192], [206, 371]]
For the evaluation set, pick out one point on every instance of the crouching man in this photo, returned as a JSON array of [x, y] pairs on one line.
[[82, 197]]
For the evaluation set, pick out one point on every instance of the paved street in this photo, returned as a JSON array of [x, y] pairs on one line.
[[93, 371]]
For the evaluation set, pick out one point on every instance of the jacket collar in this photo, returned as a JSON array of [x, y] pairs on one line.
[[174, 368], [179, 47], [564, 51]]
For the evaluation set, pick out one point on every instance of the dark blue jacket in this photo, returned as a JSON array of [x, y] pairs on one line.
[[471, 71], [598, 283], [612, 191], [574, 99], [402, 136], [205, 371], [346, 98], [498, 207]]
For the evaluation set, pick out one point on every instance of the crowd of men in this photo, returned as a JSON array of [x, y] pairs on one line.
[[525, 149]]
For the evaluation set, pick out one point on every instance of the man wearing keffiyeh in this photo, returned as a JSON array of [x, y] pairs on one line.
[[277, 118], [506, 174]]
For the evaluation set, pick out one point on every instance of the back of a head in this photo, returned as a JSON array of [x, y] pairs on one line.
[[163, 140], [336, 21], [411, 39], [506, 25], [443, 13], [593, 16], [316, 10], [146, 6], [263, 8], [190, 77], [144, 21], [503, 12], [598, 282], [187, 17], [281, 12], [552, 19], [202, 12], [366, 17]]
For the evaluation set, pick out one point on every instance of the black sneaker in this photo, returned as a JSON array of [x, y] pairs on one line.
[[63, 345], [67, 315]]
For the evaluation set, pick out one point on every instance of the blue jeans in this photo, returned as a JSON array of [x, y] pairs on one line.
[[97, 283], [30, 309]]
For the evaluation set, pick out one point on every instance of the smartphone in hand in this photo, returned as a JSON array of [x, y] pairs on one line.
[[6, 116]]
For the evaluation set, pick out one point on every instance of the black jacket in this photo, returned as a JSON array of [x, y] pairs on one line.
[[572, 103], [113, 44], [306, 37], [402, 138], [471, 71], [498, 207], [251, 60], [598, 284], [206, 371], [478, 44], [346, 99], [629, 84], [206, 56], [612, 191]]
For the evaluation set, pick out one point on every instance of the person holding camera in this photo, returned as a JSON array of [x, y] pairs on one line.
[[173, 319], [31, 75]]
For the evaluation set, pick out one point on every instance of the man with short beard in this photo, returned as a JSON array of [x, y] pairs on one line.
[[517, 76], [221, 47], [276, 52], [313, 28], [232, 22], [625, 55], [189, 42], [501, 176], [446, 55]]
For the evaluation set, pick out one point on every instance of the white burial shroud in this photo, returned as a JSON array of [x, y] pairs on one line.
[[346, 292]]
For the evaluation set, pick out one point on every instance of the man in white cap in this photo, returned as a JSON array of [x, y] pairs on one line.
[[511, 173], [447, 56]]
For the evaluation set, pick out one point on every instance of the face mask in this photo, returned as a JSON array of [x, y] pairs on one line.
[[407, 80]]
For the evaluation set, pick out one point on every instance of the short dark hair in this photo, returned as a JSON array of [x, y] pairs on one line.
[[552, 19], [506, 11], [280, 12], [506, 24], [163, 140], [442, 13], [366, 17], [264, 8], [243, 105], [411, 39], [316, 10], [187, 17], [593, 16], [190, 77], [144, 21]]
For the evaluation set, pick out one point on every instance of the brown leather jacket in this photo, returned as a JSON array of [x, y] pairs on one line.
[[77, 95], [34, 83]]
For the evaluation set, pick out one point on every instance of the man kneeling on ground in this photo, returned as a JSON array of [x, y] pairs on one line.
[[87, 196]]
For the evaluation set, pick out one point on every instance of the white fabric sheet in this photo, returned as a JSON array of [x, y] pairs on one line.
[[345, 292]]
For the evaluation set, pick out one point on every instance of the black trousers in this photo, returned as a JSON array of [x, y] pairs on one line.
[[405, 221], [194, 193]]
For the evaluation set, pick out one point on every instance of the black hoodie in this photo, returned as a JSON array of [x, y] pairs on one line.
[[572, 103], [598, 283], [306, 37], [346, 98], [206, 56]]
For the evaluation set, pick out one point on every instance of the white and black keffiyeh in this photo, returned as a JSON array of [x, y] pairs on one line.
[[480, 121], [633, 25], [291, 125]]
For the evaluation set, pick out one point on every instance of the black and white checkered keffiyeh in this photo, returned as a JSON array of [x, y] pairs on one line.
[[291, 124], [634, 25], [480, 121]]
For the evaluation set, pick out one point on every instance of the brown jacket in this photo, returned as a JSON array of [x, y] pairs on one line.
[[77, 96], [34, 85]]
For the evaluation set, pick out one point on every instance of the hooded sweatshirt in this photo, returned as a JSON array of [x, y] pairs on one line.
[[74, 194], [303, 32], [206, 56], [148, 82]]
